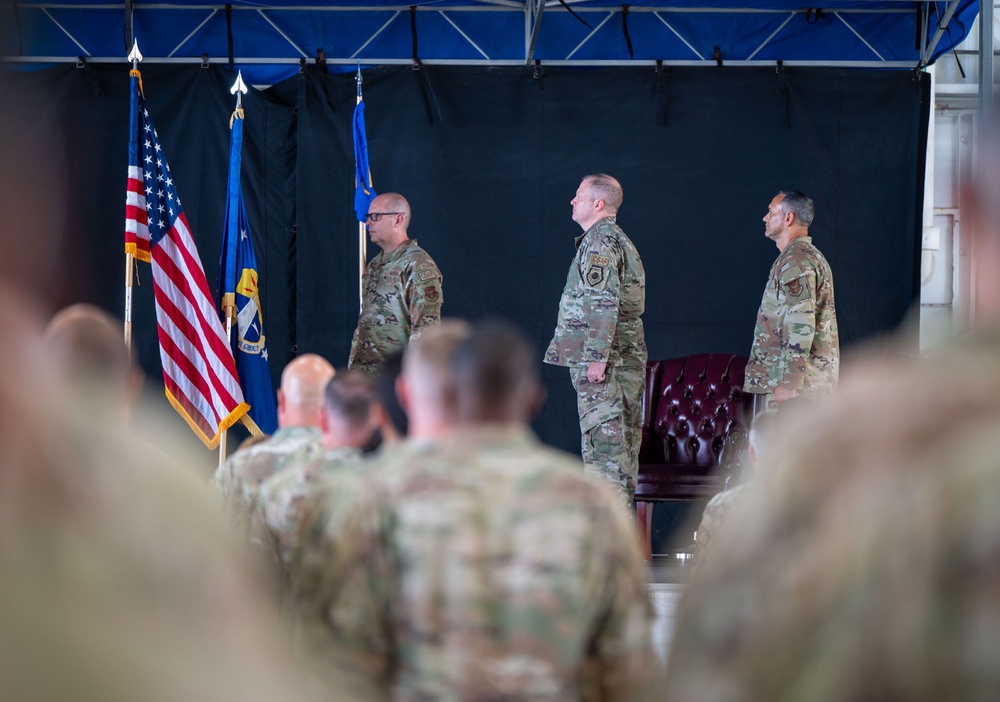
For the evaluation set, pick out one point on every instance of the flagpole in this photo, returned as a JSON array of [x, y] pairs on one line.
[[135, 57], [362, 234], [229, 299]]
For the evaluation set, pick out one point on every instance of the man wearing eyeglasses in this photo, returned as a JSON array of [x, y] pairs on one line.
[[599, 336], [402, 287]]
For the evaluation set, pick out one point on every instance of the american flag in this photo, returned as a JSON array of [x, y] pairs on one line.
[[199, 374]]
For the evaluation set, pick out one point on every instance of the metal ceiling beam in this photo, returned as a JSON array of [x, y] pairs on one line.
[[374, 61], [858, 34], [536, 27], [764, 43], [66, 32], [949, 12], [483, 6], [464, 35]]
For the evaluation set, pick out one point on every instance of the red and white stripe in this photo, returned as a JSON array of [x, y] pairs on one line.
[[136, 217], [198, 368]]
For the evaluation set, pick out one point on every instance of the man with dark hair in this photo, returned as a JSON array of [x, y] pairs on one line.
[[347, 424], [796, 347], [599, 336], [402, 287], [482, 564], [865, 565]]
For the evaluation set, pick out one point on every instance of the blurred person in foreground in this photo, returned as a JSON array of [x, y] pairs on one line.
[[482, 564], [719, 508], [867, 566], [120, 578], [298, 438], [347, 425]]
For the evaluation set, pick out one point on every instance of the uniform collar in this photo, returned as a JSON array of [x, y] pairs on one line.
[[398, 251], [595, 225]]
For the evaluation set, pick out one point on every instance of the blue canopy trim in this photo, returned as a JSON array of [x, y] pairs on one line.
[[270, 41]]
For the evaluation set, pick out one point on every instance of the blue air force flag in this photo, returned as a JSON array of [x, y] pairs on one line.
[[364, 191], [239, 284]]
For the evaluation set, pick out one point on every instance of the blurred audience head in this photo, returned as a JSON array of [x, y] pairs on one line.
[[427, 384], [392, 420], [88, 348], [300, 397], [497, 378], [761, 433], [349, 419]]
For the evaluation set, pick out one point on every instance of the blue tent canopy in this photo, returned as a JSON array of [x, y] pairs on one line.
[[268, 41]]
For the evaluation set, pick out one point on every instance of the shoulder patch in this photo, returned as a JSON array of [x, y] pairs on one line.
[[795, 287], [431, 293], [427, 274], [596, 270]]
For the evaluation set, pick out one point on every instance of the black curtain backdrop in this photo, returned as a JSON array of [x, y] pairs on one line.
[[489, 159]]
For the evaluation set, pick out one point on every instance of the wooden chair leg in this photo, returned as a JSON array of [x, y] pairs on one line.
[[644, 519]]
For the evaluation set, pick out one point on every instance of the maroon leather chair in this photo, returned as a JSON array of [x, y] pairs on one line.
[[691, 407]]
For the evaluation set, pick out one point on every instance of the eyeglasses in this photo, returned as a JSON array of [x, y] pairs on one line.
[[376, 216]]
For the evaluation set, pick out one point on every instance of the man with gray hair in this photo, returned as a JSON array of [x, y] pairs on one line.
[[796, 347], [401, 287], [599, 336]]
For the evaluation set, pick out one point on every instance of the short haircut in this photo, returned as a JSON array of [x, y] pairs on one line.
[[762, 430], [89, 348], [349, 396], [604, 187], [494, 364], [800, 205], [427, 361], [394, 202], [385, 391]]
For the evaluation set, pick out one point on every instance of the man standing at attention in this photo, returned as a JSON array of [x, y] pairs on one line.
[[599, 335], [402, 287], [796, 348]]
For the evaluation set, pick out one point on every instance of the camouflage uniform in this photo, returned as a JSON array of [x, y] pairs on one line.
[[599, 321], [482, 567], [286, 496], [716, 515], [239, 478], [795, 343], [402, 296], [864, 564]]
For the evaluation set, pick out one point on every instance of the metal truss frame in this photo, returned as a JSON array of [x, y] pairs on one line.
[[533, 11]]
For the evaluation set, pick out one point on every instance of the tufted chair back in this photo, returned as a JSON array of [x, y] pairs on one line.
[[691, 406], [699, 399]]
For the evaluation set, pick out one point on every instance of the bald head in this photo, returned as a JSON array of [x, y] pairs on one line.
[[428, 387], [392, 202], [496, 376], [88, 347], [300, 397]]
